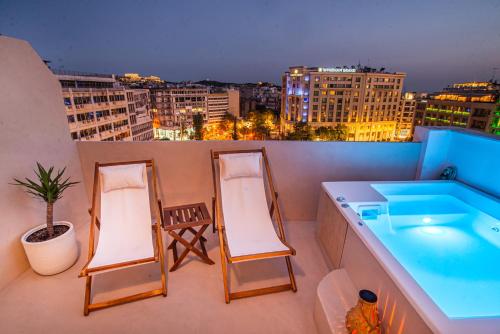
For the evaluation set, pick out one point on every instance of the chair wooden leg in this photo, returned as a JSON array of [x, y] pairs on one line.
[[163, 279], [223, 264], [225, 277], [161, 255], [88, 291], [213, 215], [290, 273]]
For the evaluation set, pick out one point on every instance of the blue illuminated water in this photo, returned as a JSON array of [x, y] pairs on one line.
[[449, 247]]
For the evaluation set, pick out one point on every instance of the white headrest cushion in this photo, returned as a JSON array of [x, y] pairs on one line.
[[121, 177], [240, 165]]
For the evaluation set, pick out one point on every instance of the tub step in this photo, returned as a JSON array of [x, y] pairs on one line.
[[335, 296]]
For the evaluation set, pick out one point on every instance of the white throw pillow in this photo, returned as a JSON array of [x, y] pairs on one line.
[[121, 177], [240, 165]]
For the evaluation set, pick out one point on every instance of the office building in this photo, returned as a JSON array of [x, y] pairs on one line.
[[364, 100], [222, 102]]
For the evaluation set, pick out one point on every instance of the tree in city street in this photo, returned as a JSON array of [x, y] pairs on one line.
[[301, 131], [198, 126], [328, 133]]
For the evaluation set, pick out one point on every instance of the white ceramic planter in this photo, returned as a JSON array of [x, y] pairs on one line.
[[52, 256]]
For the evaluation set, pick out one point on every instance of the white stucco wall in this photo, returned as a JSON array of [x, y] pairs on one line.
[[476, 156], [33, 127], [298, 168]]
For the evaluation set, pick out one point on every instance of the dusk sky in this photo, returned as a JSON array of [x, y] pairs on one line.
[[434, 42]]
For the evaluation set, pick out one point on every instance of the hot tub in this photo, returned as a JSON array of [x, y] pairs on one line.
[[436, 242]]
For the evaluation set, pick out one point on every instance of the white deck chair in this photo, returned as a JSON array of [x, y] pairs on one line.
[[244, 221], [125, 229]]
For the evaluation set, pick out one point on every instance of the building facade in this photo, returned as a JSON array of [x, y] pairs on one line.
[[221, 103], [472, 105], [98, 108], [140, 114], [421, 104], [233, 101], [175, 106], [174, 109], [406, 115], [366, 101], [262, 95]]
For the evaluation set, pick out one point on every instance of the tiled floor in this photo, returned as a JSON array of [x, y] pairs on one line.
[[195, 301]]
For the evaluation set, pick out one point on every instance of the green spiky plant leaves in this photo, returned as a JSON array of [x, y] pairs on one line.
[[49, 188]]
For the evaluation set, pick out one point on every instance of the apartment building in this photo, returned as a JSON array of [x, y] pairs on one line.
[[174, 108], [365, 100], [141, 118], [98, 108], [248, 101], [261, 95], [472, 105], [268, 95]]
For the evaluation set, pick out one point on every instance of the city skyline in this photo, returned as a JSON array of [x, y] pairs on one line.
[[239, 42]]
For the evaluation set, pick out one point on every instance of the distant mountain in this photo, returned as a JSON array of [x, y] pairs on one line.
[[214, 83]]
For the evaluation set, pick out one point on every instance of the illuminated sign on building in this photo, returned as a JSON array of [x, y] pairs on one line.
[[336, 70], [296, 73]]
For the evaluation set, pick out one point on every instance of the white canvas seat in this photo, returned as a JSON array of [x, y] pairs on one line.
[[127, 233], [248, 226], [244, 220]]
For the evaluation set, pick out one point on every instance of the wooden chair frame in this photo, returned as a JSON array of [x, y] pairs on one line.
[[224, 249], [158, 256]]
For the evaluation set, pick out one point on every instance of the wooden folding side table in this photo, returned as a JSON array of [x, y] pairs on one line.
[[185, 218]]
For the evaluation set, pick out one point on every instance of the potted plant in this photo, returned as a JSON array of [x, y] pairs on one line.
[[51, 248]]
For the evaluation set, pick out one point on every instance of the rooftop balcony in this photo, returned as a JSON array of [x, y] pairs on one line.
[[195, 301]]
